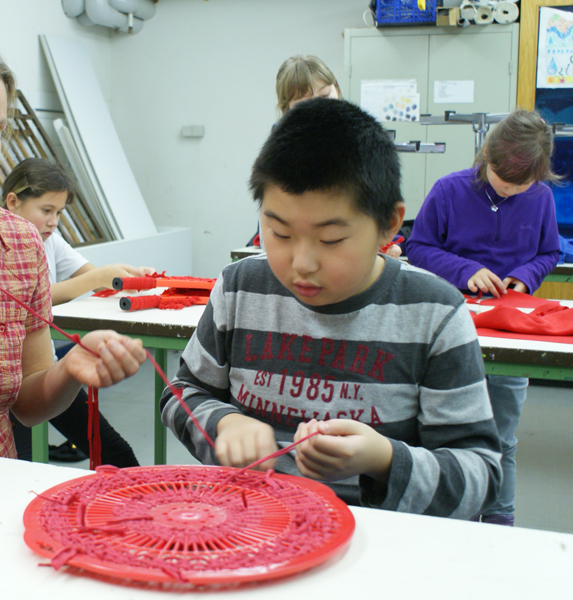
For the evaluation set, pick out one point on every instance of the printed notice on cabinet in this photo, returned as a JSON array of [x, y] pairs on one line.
[[453, 92]]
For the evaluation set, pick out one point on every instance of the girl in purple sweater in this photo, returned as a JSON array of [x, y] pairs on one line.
[[490, 228]]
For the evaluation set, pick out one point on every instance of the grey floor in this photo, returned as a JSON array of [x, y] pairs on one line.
[[544, 494]]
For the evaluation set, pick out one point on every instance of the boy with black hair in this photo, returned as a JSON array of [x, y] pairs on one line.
[[324, 334]]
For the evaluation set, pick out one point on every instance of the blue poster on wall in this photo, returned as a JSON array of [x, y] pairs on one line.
[[554, 100]]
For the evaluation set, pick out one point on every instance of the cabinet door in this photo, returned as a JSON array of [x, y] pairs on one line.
[[400, 56], [485, 57]]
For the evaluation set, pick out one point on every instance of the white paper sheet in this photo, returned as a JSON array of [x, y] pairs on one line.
[[454, 92]]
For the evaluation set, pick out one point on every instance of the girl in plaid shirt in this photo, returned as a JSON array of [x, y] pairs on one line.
[[31, 385]]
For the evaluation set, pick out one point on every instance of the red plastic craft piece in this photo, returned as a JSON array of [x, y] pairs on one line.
[[171, 298], [192, 525], [180, 292], [150, 282]]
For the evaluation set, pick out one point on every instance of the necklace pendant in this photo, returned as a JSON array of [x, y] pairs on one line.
[[494, 208]]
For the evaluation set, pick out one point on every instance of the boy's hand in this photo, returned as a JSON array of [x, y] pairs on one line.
[[242, 440], [345, 448], [518, 286], [487, 282], [119, 357]]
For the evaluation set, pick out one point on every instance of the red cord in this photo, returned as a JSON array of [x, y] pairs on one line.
[[73, 338], [392, 243], [94, 436], [280, 452], [93, 410], [178, 393]]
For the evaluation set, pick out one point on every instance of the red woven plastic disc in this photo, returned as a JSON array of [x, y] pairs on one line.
[[186, 524]]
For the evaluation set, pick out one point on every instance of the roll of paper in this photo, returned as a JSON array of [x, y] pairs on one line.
[[505, 13], [484, 15], [467, 12]]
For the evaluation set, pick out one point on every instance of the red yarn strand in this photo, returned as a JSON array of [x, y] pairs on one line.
[[73, 338], [94, 436], [93, 410]]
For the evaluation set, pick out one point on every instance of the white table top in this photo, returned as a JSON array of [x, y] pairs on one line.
[[391, 556], [563, 268], [495, 342], [107, 309]]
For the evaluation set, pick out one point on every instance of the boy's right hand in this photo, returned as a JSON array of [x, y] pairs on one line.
[[487, 282], [242, 440]]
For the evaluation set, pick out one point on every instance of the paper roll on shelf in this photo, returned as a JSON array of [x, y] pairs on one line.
[[467, 12], [484, 15], [505, 13]]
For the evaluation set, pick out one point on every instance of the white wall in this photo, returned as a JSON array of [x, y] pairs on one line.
[[197, 62], [22, 21], [213, 63]]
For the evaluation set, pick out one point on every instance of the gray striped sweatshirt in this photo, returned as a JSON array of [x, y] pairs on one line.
[[402, 356]]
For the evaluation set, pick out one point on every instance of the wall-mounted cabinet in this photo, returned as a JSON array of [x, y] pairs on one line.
[[486, 55]]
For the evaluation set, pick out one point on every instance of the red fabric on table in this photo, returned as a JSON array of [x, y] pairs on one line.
[[104, 293], [511, 298], [549, 321]]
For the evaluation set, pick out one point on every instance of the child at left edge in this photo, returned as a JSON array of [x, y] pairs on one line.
[[38, 190], [324, 334]]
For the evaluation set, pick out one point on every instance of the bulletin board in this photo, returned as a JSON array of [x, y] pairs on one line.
[[546, 45], [555, 106], [528, 44]]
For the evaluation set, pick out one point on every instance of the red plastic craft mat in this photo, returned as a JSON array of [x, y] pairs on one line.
[[196, 525]]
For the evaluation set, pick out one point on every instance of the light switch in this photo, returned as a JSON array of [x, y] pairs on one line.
[[193, 131]]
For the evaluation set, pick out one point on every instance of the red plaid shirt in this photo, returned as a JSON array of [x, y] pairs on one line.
[[24, 273]]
